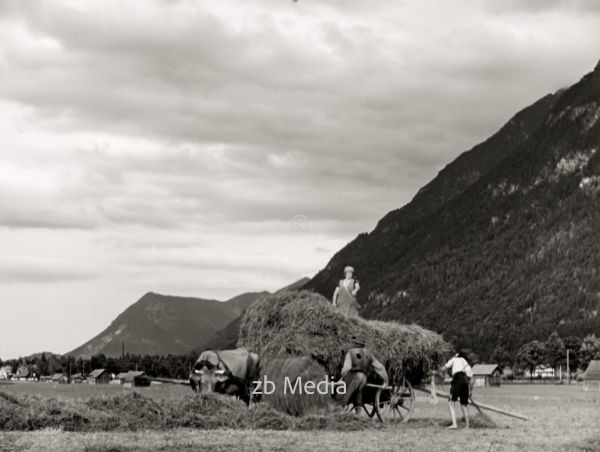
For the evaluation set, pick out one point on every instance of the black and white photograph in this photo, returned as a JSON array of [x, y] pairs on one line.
[[300, 225]]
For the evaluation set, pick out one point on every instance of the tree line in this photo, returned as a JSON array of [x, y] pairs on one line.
[[550, 352], [169, 366]]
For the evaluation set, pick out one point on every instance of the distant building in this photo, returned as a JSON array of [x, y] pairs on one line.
[[133, 378], [77, 379], [508, 373], [98, 377], [487, 375], [541, 372], [26, 373], [5, 372], [591, 377], [59, 378]]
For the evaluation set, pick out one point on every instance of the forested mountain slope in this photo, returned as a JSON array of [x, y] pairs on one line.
[[503, 246]]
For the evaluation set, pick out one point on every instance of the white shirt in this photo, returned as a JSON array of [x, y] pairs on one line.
[[459, 365]]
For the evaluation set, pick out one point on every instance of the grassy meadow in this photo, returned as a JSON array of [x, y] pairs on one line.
[[562, 418]]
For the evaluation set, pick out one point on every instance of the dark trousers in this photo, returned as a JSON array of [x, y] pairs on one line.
[[355, 382]]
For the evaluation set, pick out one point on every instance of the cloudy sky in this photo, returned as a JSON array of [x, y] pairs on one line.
[[210, 148]]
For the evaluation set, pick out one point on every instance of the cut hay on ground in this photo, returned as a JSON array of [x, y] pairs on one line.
[[136, 412], [306, 324]]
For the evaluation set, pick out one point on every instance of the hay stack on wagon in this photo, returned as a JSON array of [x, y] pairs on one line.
[[306, 324]]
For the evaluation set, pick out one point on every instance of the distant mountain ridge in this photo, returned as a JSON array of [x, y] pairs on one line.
[[503, 246], [227, 337], [295, 285], [161, 324]]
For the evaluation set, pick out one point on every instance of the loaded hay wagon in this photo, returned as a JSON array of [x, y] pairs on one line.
[[305, 324]]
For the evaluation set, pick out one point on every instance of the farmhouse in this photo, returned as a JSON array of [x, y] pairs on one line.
[[26, 373], [591, 377], [133, 378], [77, 379], [59, 378], [487, 375], [98, 377], [5, 372]]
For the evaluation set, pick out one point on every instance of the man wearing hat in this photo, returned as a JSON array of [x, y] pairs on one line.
[[344, 296], [358, 364]]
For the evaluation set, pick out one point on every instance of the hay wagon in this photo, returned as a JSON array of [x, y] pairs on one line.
[[304, 323], [392, 402]]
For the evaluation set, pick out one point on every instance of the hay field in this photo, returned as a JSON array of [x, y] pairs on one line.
[[85, 391], [562, 419]]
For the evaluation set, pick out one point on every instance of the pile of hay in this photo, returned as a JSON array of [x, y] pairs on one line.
[[136, 412], [295, 368], [306, 324]]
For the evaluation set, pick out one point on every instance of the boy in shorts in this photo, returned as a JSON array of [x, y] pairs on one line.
[[461, 373]]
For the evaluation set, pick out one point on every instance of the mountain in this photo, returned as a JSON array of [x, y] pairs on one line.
[[35, 356], [161, 324], [503, 245], [224, 339], [241, 302], [227, 337], [295, 285]]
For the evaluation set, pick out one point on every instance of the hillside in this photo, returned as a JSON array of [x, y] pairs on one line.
[[295, 285], [503, 245], [228, 336], [224, 339], [160, 325], [46, 354]]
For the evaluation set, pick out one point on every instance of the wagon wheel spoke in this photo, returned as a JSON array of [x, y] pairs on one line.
[[396, 410], [406, 401]]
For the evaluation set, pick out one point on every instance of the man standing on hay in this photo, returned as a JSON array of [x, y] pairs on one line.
[[461, 373], [344, 296], [359, 363]]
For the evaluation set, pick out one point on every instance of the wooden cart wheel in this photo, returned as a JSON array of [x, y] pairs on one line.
[[395, 403]]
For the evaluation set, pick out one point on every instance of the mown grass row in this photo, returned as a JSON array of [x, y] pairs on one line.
[[133, 411]]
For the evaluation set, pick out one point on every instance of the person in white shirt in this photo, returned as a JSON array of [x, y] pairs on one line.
[[461, 373]]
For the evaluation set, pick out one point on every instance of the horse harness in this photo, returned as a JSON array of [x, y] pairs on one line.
[[222, 365]]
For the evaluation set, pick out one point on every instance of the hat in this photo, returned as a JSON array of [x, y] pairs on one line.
[[349, 269]]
